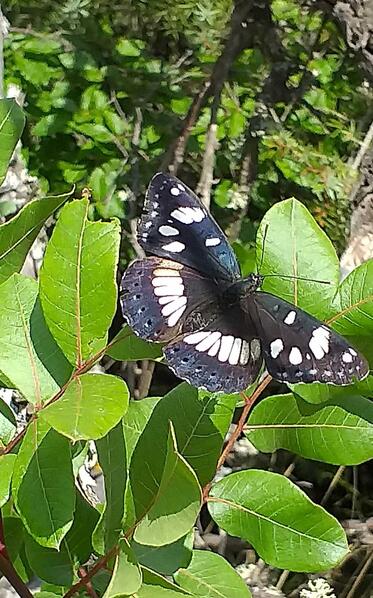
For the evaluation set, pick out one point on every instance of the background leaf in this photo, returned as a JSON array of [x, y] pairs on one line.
[[53, 566], [126, 346], [12, 121], [23, 332], [6, 471], [338, 432], [43, 471], [104, 396], [210, 576], [295, 245], [175, 504], [168, 558], [18, 234], [284, 526], [79, 265]]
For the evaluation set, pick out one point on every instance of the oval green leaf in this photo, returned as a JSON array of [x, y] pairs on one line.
[[209, 575], [80, 267], [340, 433], [103, 395], [285, 527], [18, 234], [175, 504], [126, 346], [42, 472], [12, 121], [295, 245], [6, 471], [127, 577]]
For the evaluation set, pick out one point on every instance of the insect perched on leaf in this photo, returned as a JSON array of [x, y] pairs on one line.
[[217, 326]]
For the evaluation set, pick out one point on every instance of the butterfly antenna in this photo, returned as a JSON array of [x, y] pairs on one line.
[[263, 244], [297, 278]]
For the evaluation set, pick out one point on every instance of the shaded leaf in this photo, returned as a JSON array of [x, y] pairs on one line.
[[175, 504], [79, 536], [18, 234], [285, 527], [339, 432], [112, 457], [12, 121], [7, 423], [168, 558], [295, 245], [126, 346], [104, 395], [127, 577], [79, 265], [6, 471], [209, 575], [43, 472], [23, 332], [53, 566]]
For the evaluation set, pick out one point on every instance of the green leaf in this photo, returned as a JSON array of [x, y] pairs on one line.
[[53, 566], [285, 527], [80, 266], [40, 366], [175, 504], [168, 558], [339, 432], [151, 578], [201, 421], [18, 234], [103, 395], [295, 245], [126, 346], [112, 457], [321, 393], [7, 424], [12, 121], [43, 472], [79, 537], [354, 303], [127, 577], [6, 471], [211, 576]]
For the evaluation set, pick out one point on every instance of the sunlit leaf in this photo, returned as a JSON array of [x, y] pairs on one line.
[[12, 121]]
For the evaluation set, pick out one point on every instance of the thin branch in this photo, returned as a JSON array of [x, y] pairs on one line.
[[364, 148], [249, 402], [8, 570], [101, 564]]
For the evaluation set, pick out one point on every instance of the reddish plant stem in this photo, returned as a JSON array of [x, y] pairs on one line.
[[89, 587], [85, 367], [101, 564], [8, 570], [249, 402]]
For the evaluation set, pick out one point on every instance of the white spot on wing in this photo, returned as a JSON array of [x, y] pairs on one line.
[[188, 215], [255, 348], [276, 347], [174, 247], [225, 347], [215, 348], [295, 356], [319, 343], [168, 231], [290, 318], [353, 352], [167, 299], [212, 242], [245, 353], [195, 337], [347, 357], [162, 281], [235, 352], [177, 289], [168, 309], [165, 272], [181, 187], [207, 342], [174, 191], [175, 317]]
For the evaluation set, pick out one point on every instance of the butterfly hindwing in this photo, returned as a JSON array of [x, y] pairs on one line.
[[223, 356], [299, 348], [158, 295], [177, 226]]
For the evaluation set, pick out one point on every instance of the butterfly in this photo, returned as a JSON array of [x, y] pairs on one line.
[[217, 326]]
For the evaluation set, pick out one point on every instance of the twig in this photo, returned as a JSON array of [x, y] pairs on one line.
[[359, 578], [101, 563], [89, 587], [364, 148], [249, 402], [8, 570], [333, 483]]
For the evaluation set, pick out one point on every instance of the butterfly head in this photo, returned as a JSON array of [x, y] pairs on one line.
[[251, 283]]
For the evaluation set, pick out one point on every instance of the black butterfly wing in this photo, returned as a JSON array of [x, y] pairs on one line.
[[299, 348], [177, 226], [222, 356], [158, 297]]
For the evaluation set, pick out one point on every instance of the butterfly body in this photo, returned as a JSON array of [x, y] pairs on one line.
[[218, 326]]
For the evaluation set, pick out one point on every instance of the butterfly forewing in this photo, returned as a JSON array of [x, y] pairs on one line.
[[299, 348], [158, 295], [176, 225]]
